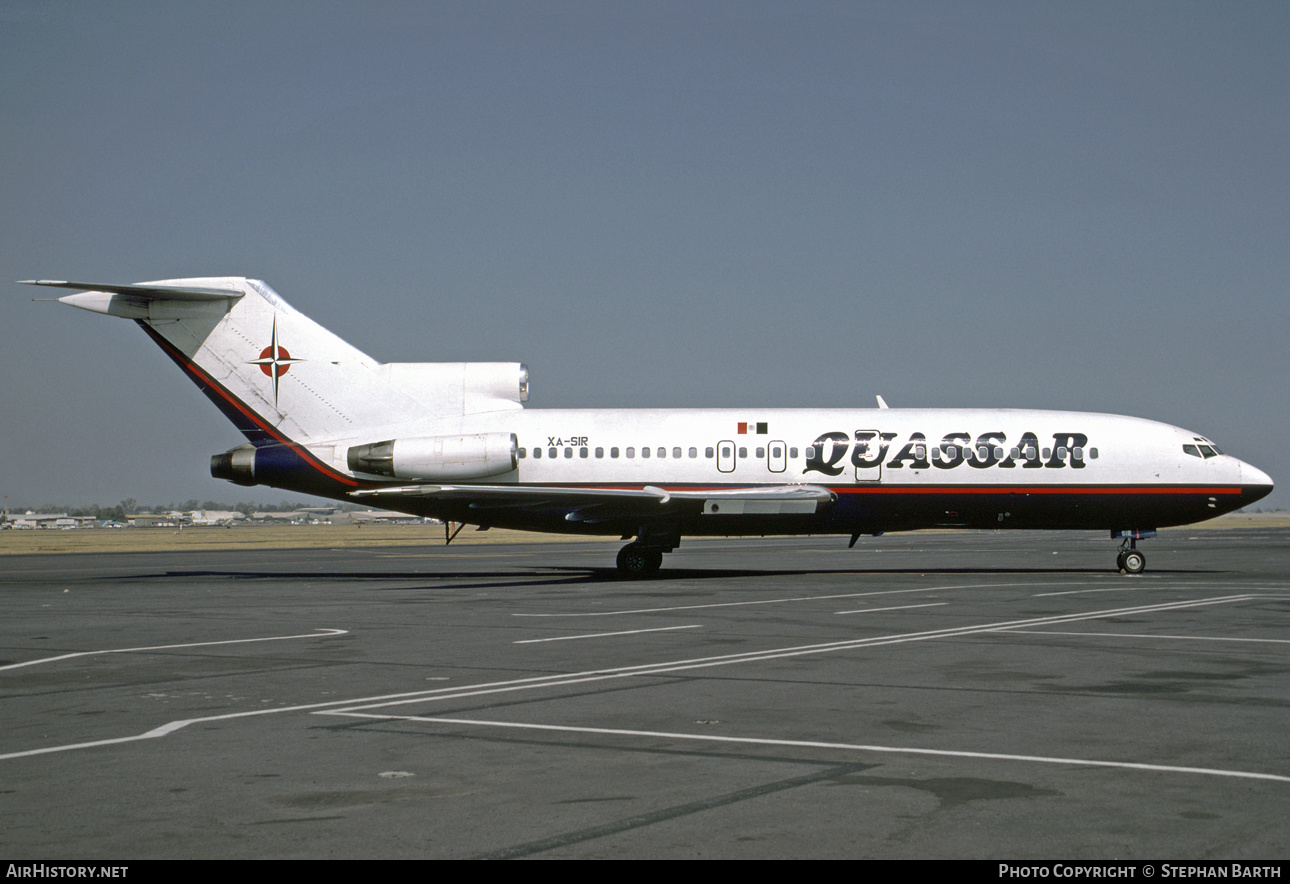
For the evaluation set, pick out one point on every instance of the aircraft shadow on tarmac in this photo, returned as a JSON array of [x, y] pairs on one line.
[[572, 575]]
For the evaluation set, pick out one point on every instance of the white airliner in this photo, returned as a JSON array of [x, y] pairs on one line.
[[453, 441]]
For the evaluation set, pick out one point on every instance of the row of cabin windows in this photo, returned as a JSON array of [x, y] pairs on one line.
[[983, 453], [775, 451], [950, 453]]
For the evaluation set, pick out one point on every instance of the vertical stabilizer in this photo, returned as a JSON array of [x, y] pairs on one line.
[[278, 375]]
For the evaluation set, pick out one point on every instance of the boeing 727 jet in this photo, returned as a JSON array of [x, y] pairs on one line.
[[454, 441]]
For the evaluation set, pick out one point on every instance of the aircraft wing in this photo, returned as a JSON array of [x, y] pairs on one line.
[[584, 503], [142, 292]]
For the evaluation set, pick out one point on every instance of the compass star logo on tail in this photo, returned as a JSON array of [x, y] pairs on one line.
[[274, 361]]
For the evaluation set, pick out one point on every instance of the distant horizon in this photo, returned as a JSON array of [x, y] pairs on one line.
[[260, 506]]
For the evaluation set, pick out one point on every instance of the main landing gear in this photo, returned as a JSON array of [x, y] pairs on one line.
[[635, 560], [643, 556], [1129, 560]]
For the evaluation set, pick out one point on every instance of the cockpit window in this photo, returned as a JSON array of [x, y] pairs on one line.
[[1202, 449]]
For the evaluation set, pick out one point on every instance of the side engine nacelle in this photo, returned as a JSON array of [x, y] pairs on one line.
[[437, 458]]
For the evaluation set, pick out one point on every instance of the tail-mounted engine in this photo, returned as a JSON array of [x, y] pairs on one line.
[[236, 465], [437, 458]]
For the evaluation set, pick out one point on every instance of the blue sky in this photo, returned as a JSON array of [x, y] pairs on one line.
[[1053, 205]]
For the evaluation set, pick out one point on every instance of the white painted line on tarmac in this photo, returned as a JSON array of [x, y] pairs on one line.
[[1185, 638], [777, 653], [897, 608], [321, 633], [1120, 588], [779, 601], [569, 638], [1203, 584], [852, 747], [550, 681]]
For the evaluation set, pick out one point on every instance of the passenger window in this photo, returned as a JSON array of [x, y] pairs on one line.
[[775, 452], [1014, 453], [743, 452], [1077, 453], [644, 451], [952, 452], [709, 453], [568, 452], [694, 452], [761, 452], [920, 451], [1092, 454], [725, 452], [1061, 452], [613, 452], [676, 452], [600, 452], [631, 453], [1048, 452], [552, 452], [537, 453], [662, 452], [1030, 454], [582, 452], [792, 452], [523, 453], [998, 453]]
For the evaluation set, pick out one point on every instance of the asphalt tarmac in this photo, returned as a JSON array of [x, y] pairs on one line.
[[963, 695]]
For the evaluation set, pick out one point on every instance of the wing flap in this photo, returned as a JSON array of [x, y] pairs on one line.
[[755, 500]]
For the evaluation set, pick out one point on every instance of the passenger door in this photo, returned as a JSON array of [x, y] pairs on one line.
[[726, 456]]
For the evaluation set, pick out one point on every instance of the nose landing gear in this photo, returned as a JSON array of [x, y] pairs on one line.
[[1129, 560]]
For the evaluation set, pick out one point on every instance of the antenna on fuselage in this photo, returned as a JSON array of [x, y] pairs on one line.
[[882, 403]]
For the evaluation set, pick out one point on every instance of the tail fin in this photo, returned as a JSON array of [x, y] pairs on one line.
[[279, 376]]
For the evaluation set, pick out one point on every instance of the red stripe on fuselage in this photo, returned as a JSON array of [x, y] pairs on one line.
[[1039, 489], [934, 489]]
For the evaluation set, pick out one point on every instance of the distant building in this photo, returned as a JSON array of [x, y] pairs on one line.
[[383, 517], [50, 520], [153, 520]]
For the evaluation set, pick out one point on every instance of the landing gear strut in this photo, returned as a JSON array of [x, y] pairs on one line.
[[1130, 561]]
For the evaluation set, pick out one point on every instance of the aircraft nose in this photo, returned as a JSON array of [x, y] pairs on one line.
[[1255, 479]]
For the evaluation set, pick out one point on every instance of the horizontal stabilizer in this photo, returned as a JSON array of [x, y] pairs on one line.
[[143, 292]]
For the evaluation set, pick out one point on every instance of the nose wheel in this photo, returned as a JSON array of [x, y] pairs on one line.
[[1130, 561]]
